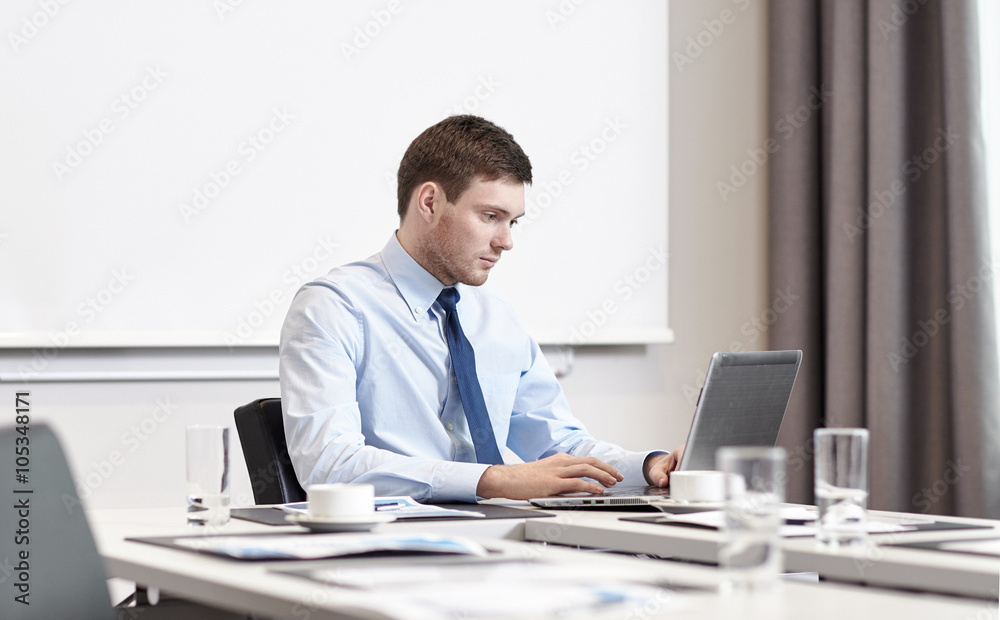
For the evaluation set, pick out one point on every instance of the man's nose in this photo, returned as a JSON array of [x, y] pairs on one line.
[[505, 241]]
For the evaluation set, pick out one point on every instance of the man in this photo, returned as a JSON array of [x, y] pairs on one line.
[[398, 371]]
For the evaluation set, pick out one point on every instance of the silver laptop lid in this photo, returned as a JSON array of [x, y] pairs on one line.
[[741, 404]]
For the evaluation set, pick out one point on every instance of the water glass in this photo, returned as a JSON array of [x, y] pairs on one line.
[[841, 456], [750, 552], [207, 475]]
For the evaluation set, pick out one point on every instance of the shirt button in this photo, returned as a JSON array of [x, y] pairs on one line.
[[418, 310], [449, 426]]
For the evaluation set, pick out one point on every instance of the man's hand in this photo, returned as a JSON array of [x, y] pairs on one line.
[[554, 475], [657, 468]]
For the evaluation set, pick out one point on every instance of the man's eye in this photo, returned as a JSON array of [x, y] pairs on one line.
[[490, 216], [513, 223]]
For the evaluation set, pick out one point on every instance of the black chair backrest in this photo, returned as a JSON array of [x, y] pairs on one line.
[[51, 565], [262, 435]]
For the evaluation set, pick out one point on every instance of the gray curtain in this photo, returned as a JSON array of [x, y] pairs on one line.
[[878, 223]]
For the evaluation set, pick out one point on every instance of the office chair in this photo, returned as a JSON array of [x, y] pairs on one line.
[[47, 551], [46, 539], [262, 436]]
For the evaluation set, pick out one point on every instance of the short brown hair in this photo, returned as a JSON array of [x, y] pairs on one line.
[[456, 152]]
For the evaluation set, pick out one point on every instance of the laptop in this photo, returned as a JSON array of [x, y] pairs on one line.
[[741, 404]]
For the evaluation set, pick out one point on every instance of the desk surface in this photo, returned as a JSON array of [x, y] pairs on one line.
[[881, 562], [250, 587]]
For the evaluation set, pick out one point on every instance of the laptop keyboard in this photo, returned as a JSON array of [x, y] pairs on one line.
[[617, 491]]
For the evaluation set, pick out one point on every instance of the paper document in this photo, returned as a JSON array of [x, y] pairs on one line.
[[799, 521], [469, 588], [402, 506], [316, 546]]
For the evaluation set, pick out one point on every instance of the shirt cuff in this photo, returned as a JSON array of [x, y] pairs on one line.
[[457, 482], [640, 477]]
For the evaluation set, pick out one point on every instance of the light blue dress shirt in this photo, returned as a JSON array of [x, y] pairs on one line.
[[369, 395]]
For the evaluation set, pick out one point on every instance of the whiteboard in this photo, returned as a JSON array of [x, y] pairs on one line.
[[172, 172]]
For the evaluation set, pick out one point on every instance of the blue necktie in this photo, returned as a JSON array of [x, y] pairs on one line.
[[463, 360]]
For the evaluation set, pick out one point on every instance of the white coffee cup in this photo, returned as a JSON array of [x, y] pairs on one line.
[[341, 501], [698, 486]]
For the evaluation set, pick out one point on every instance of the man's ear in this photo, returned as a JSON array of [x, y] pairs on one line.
[[430, 199]]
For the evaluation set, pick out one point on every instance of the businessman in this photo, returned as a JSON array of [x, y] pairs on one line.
[[400, 371]]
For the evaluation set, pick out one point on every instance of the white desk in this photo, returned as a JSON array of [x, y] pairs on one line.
[[879, 563], [249, 587]]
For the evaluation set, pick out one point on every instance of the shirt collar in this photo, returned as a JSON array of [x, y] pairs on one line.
[[417, 286]]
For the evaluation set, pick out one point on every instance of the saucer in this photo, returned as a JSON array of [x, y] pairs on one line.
[[677, 506], [340, 524]]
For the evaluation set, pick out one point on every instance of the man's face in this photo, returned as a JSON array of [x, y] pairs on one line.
[[470, 233]]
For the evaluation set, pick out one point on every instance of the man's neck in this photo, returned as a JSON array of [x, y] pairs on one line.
[[409, 244]]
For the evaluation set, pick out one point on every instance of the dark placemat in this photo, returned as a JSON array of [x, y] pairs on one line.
[[921, 527], [945, 525], [939, 545], [269, 515], [492, 511], [661, 520], [608, 508]]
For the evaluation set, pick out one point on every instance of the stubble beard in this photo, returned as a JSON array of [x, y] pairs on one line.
[[440, 250]]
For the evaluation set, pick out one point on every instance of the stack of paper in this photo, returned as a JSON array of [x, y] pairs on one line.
[[316, 546], [473, 589], [402, 506]]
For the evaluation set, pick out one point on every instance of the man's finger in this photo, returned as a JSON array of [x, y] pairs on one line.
[[578, 485], [677, 454], [659, 471], [583, 470], [598, 463]]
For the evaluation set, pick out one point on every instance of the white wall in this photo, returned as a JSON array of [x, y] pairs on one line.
[[642, 397], [263, 107], [125, 439]]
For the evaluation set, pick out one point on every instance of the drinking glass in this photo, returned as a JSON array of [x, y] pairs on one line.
[[841, 456], [750, 553], [207, 475]]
